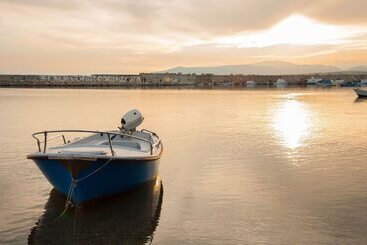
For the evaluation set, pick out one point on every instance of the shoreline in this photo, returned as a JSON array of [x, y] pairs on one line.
[[234, 87], [161, 80]]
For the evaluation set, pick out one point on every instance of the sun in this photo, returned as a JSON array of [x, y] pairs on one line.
[[301, 30], [295, 29]]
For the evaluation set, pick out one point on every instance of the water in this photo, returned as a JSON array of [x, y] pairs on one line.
[[239, 166]]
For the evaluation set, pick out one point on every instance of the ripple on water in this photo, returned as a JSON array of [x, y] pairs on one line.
[[251, 166]]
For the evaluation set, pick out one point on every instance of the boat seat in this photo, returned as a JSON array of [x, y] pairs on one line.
[[127, 144]]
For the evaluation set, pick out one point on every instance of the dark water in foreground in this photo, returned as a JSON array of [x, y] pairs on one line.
[[239, 167]]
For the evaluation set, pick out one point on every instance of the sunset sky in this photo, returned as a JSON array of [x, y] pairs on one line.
[[132, 36]]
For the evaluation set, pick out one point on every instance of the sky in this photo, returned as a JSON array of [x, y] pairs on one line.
[[132, 36]]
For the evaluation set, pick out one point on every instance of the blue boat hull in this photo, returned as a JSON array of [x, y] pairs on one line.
[[96, 178]]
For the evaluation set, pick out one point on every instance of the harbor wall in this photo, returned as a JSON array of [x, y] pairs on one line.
[[158, 79]]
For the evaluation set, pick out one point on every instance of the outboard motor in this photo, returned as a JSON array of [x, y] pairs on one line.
[[131, 120]]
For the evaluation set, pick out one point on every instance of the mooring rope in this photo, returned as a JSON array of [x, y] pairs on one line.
[[98, 169], [73, 184]]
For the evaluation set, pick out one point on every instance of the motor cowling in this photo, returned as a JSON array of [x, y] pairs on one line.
[[131, 120]]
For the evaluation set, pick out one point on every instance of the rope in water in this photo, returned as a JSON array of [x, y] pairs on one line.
[[73, 183]]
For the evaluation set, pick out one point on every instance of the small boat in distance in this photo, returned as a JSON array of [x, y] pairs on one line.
[[102, 164], [350, 84], [324, 83], [337, 82], [313, 81], [250, 84], [363, 82], [360, 92], [280, 83]]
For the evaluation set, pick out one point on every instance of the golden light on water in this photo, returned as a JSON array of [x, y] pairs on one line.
[[292, 123]]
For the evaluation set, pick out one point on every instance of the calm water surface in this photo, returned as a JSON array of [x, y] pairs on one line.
[[239, 167]]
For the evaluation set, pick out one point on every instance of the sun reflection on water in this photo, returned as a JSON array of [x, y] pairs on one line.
[[292, 123]]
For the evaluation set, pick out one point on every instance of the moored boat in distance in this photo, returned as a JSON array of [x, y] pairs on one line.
[[102, 164], [363, 82], [250, 84], [324, 83], [281, 83], [313, 81], [350, 84], [360, 92], [337, 82]]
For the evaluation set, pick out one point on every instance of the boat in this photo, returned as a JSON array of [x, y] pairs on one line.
[[280, 83], [363, 82], [250, 84], [337, 82], [324, 83], [102, 164], [350, 84], [360, 92], [313, 81]]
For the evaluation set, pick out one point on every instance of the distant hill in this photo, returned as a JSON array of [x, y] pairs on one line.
[[359, 68], [347, 72], [262, 68]]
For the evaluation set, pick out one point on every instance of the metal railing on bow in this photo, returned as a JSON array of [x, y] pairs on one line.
[[46, 139]]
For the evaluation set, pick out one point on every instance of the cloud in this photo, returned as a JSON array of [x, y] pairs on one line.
[[338, 11], [145, 35], [198, 18]]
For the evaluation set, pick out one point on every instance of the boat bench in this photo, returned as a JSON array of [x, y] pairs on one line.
[[134, 145]]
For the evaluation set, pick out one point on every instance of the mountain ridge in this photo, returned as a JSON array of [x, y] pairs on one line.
[[273, 67]]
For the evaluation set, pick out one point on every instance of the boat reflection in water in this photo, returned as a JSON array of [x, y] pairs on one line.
[[130, 218]]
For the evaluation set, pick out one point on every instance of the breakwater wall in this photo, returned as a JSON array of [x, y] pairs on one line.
[[158, 79]]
